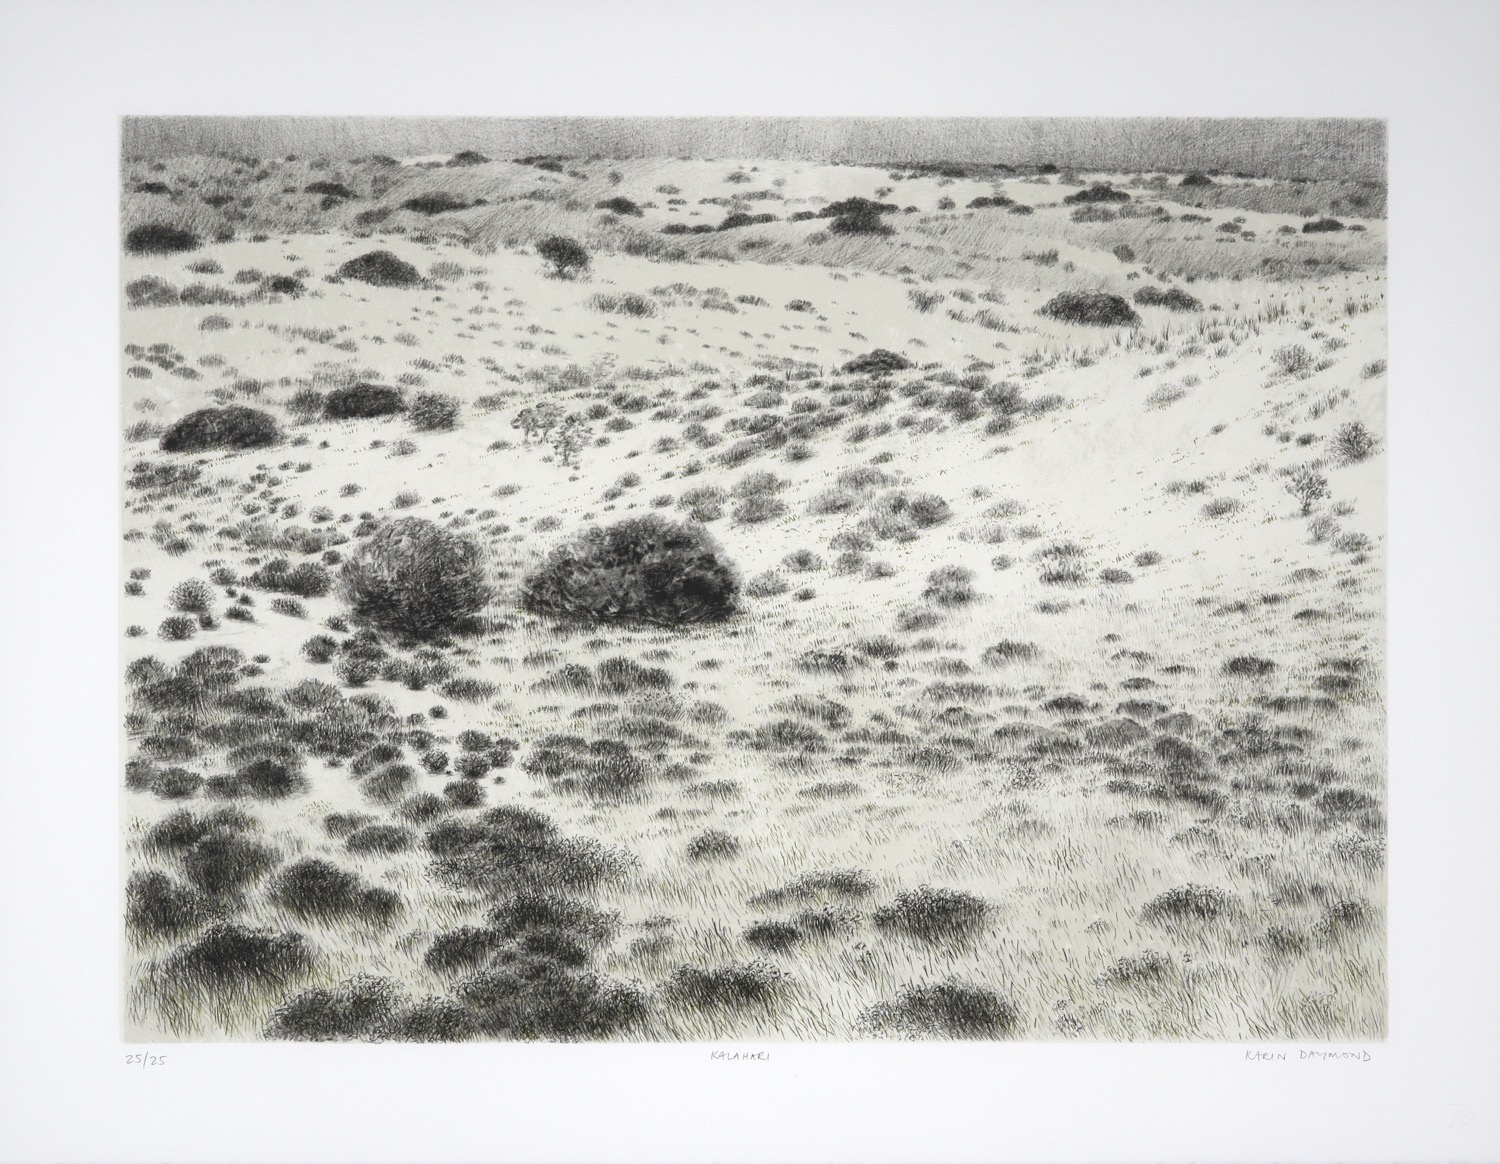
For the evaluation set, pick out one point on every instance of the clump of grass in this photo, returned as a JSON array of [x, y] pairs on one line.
[[810, 887], [1147, 966], [510, 848], [1249, 665], [231, 956], [735, 986], [1188, 903], [1291, 359], [157, 905], [950, 586], [713, 844], [952, 1009], [535, 996], [1221, 507], [358, 1008], [1173, 299], [628, 303], [933, 914]]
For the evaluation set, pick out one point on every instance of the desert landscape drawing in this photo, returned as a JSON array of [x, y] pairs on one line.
[[741, 581]]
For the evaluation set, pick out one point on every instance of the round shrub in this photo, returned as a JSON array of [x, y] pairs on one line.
[[433, 412], [952, 1009], [1322, 226], [157, 238], [880, 360], [415, 577], [178, 627], [1097, 193], [360, 401], [381, 269], [192, 597], [1173, 299], [231, 427], [565, 254], [643, 569], [1095, 308]]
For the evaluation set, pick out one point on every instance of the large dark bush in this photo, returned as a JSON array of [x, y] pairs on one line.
[[1322, 226], [415, 577], [359, 401], [157, 238], [381, 269], [643, 569], [1096, 308], [231, 427]]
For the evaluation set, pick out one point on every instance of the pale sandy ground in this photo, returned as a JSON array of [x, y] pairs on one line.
[[1067, 879]]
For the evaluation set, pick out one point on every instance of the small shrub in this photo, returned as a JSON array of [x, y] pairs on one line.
[[731, 987], [359, 1008], [177, 628], [712, 845], [381, 269], [1353, 442], [950, 586], [933, 915], [769, 584], [230, 955], [157, 906], [878, 362], [1251, 665], [1095, 308], [318, 890], [952, 1009], [361, 401], [1099, 192], [1322, 226], [566, 255], [1291, 359], [1173, 299], [758, 508], [433, 412], [192, 597], [1188, 903]]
